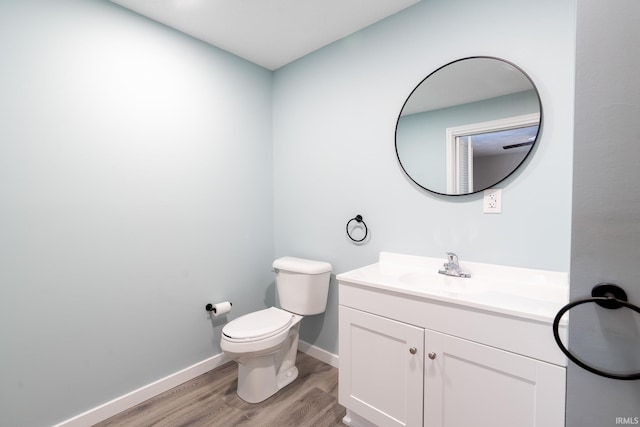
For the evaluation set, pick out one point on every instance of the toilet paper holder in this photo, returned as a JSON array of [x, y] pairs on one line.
[[212, 307]]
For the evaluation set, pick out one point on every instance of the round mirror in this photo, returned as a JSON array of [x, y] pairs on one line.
[[468, 125]]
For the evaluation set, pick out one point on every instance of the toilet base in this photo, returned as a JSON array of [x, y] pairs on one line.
[[257, 381], [287, 377], [260, 376]]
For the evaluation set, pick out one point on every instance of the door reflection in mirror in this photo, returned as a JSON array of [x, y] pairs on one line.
[[481, 154]]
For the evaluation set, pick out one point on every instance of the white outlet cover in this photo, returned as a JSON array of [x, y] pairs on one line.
[[492, 200]]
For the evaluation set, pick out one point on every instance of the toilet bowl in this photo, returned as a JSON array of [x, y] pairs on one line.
[[265, 342]]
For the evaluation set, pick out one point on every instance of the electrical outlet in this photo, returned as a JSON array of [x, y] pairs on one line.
[[493, 200]]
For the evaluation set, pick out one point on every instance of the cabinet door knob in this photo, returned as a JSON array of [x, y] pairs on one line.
[[413, 350], [431, 355]]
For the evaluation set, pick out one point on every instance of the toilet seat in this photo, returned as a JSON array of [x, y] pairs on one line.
[[258, 325], [260, 331]]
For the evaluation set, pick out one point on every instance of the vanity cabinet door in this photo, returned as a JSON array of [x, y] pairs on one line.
[[470, 384], [381, 368]]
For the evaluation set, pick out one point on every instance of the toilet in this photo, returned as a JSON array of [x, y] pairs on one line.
[[265, 342]]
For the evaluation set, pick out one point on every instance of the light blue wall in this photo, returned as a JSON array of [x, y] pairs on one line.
[[138, 180], [135, 187], [334, 120]]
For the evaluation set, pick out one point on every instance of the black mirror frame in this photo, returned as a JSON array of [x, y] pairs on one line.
[[535, 142]]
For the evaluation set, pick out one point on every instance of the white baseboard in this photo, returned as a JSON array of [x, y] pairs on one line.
[[318, 353], [129, 400], [138, 396]]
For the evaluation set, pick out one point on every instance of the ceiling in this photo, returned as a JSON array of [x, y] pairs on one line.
[[270, 33]]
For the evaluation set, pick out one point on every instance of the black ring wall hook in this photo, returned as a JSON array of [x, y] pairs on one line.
[[359, 220], [605, 295]]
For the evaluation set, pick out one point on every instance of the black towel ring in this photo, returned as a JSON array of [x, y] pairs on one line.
[[605, 295], [358, 219]]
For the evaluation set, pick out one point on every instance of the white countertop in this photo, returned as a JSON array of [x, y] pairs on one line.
[[527, 293]]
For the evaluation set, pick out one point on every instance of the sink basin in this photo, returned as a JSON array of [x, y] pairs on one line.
[[442, 283], [535, 294]]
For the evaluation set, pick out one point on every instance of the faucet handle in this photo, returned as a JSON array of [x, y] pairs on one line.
[[452, 257]]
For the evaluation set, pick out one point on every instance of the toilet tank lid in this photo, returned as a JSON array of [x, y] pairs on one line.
[[300, 265]]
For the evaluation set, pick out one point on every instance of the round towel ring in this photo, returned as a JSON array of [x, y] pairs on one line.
[[605, 295], [358, 219]]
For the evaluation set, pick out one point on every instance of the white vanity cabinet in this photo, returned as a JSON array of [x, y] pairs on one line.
[[381, 368], [470, 384], [408, 359]]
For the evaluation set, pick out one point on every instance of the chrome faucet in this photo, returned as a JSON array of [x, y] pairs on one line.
[[452, 268]]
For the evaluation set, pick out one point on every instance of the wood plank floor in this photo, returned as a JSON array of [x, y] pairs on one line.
[[211, 400]]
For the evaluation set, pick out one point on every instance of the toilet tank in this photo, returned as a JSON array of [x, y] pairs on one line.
[[303, 284]]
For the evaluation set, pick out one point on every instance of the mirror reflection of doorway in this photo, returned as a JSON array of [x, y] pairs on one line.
[[464, 164], [480, 152]]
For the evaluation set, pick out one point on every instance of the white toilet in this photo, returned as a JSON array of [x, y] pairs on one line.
[[264, 343]]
